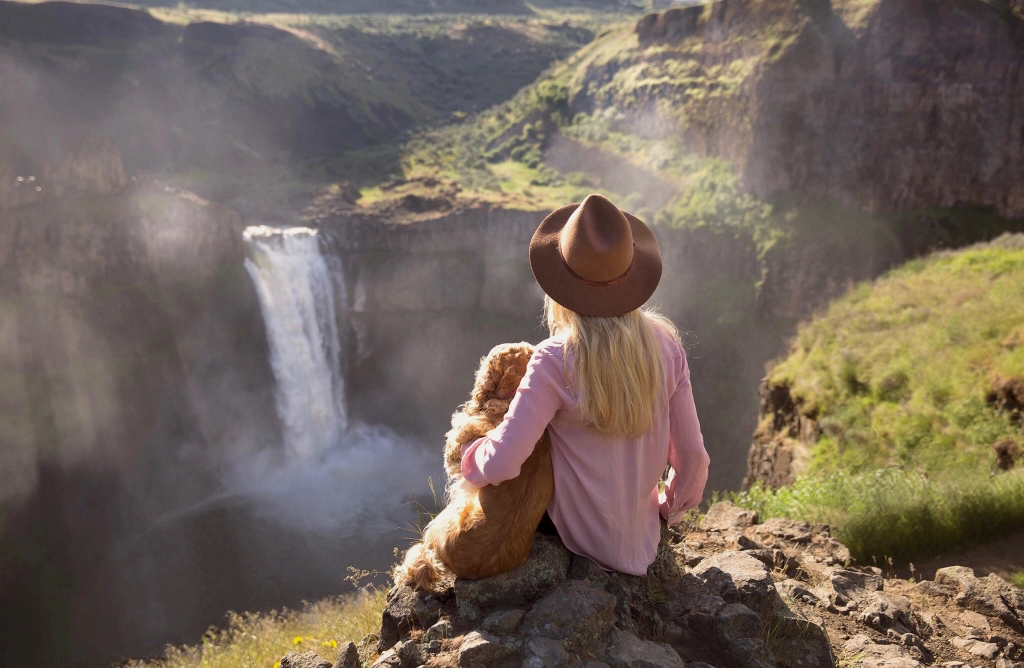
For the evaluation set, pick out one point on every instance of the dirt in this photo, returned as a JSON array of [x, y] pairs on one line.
[[1004, 557]]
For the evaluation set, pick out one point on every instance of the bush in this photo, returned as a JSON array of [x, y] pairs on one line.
[[898, 514]]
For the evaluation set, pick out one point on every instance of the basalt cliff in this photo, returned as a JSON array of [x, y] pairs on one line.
[[880, 105]]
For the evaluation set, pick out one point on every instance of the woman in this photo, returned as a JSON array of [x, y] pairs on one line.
[[612, 387]]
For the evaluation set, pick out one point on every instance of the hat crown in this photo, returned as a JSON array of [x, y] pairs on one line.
[[597, 241]]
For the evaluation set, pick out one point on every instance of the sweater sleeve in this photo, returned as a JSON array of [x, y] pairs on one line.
[[689, 460], [499, 456]]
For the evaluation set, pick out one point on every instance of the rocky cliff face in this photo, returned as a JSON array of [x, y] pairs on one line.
[[431, 291], [732, 593], [132, 357], [882, 105]]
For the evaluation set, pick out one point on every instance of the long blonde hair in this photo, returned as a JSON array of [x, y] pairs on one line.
[[619, 371]]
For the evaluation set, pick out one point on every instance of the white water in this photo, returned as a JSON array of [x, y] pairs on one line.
[[335, 476], [299, 301]]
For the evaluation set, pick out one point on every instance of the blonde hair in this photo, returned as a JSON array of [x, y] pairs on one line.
[[619, 371]]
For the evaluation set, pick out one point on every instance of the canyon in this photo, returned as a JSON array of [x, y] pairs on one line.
[[135, 357]]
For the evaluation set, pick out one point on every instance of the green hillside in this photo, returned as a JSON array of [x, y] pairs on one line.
[[903, 408], [909, 371]]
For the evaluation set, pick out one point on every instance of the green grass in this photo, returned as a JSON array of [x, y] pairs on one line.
[[897, 514], [896, 373], [254, 640], [1017, 579]]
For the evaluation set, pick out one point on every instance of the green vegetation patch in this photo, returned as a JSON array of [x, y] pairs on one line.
[[261, 639], [899, 515], [900, 372]]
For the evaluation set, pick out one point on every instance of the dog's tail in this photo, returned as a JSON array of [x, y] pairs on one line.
[[418, 570]]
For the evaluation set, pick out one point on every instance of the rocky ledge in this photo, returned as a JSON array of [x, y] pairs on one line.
[[726, 591]]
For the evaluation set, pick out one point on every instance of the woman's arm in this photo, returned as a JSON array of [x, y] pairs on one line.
[[686, 454], [499, 456]]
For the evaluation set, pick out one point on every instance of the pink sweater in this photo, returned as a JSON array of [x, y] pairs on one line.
[[606, 501]]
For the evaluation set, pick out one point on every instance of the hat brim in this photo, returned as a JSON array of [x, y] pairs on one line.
[[563, 286]]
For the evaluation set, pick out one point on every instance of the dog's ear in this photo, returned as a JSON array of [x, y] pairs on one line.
[[488, 376]]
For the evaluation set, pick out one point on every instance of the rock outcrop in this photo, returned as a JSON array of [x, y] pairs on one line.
[[921, 99], [132, 358], [731, 593]]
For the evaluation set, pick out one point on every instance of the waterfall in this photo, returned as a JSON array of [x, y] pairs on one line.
[[299, 299]]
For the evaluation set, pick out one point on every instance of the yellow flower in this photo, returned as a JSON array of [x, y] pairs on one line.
[[277, 665], [297, 640], [333, 644]]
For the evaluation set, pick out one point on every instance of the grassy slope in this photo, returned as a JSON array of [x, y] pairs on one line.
[[260, 640], [897, 372]]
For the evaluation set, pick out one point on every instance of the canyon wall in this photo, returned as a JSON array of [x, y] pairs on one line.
[[132, 355], [879, 106]]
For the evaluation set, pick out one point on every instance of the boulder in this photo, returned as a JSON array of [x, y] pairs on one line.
[[348, 656], [406, 609], [304, 660], [480, 648], [543, 653], [795, 590], [504, 621], [724, 516], [874, 655], [790, 531], [801, 642], [409, 653], [985, 650], [575, 613], [739, 578], [749, 653], [439, 631], [845, 590], [389, 659], [730, 636], [625, 650], [990, 596], [736, 621], [883, 611], [547, 566]]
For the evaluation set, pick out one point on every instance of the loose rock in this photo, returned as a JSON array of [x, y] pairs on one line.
[[439, 631], [739, 578], [874, 655], [348, 656], [627, 651], [480, 649], [504, 621], [724, 516], [406, 609], [304, 660]]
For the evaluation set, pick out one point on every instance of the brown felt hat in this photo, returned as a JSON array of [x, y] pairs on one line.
[[595, 259]]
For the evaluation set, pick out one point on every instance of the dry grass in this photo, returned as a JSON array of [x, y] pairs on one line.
[[259, 640]]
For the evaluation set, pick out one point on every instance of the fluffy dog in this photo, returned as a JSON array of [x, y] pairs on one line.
[[487, 531]]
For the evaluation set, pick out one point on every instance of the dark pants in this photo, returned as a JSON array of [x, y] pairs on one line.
[[547, 527]]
